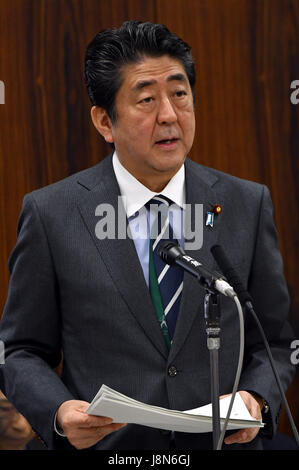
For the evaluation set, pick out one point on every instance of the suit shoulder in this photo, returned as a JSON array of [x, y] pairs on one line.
[[221, 180], [68, 189]]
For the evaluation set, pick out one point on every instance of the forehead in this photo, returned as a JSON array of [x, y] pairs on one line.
[[152, 70]]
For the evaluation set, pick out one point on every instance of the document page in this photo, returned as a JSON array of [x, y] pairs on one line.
[[123, 409]]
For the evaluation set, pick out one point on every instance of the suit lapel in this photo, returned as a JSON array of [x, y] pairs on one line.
[[121, 259], [119, 255], [198, 191]]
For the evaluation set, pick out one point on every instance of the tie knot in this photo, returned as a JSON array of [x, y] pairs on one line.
[[157, 201], [159, 210]]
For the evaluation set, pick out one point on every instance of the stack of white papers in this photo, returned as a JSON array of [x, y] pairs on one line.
[[123, 409]]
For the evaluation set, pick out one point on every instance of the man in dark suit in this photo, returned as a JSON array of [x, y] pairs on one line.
[[83, 298]]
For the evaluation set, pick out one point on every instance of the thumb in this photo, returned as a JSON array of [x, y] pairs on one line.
[[81, 405], [224, 396]]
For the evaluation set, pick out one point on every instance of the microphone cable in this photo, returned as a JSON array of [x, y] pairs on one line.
[[246, 300], [238, 373], [173, 254]]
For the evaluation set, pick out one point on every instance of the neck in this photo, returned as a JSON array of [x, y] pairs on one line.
[[154, 184], [154, 180]]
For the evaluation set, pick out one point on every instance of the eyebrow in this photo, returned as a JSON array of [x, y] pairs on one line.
[[145, 83]]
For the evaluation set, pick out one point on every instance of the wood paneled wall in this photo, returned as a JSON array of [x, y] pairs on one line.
[[247, 55]]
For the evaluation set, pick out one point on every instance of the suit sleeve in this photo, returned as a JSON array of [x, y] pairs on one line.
[[31, 328], [269, 291]]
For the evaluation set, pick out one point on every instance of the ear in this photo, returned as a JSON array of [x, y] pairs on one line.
[[102, 123]]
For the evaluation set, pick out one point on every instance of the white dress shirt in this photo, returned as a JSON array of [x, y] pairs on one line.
[[135, 195]]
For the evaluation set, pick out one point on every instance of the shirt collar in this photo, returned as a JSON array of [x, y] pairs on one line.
[[137, 195]]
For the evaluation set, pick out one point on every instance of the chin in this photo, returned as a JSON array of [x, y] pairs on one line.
[[170, 164]]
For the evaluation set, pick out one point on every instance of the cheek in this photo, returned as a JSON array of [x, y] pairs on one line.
[[134, 138], [141, 130], [188, 124], [136, 125]]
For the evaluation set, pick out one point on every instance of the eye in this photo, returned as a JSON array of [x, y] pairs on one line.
[[146, 100], [180, 93]]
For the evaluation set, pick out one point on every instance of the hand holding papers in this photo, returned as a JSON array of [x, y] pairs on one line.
[[123, 409]]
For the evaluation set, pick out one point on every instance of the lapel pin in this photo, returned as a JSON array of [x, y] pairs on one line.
[[210, 219], [217, 209]]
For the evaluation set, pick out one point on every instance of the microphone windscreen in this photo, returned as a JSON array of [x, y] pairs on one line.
[[169, 251]]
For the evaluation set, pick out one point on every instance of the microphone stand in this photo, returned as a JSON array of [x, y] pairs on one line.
[[212, 319]]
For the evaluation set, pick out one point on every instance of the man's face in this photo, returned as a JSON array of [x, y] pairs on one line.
[[155, 124]]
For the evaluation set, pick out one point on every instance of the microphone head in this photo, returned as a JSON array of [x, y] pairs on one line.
[[169, 251]]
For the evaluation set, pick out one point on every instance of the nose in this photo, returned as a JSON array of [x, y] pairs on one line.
[[166, 112]]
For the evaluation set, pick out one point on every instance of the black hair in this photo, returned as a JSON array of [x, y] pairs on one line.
[[111, 49]]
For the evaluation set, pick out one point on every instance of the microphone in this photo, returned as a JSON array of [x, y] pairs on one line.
[[174, 255], [246, 300]]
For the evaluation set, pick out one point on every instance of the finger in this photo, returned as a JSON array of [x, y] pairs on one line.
[[112, 428], [84, 420], [252, 404], [82, 438], [233, 438], [241, 437], [102, 429]]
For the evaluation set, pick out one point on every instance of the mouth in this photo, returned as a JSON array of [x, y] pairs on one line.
[[167, 143]]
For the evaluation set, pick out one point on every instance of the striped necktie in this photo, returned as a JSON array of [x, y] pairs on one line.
[[165, 282]]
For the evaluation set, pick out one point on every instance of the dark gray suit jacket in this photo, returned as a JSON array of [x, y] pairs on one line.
[[85, 301]]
